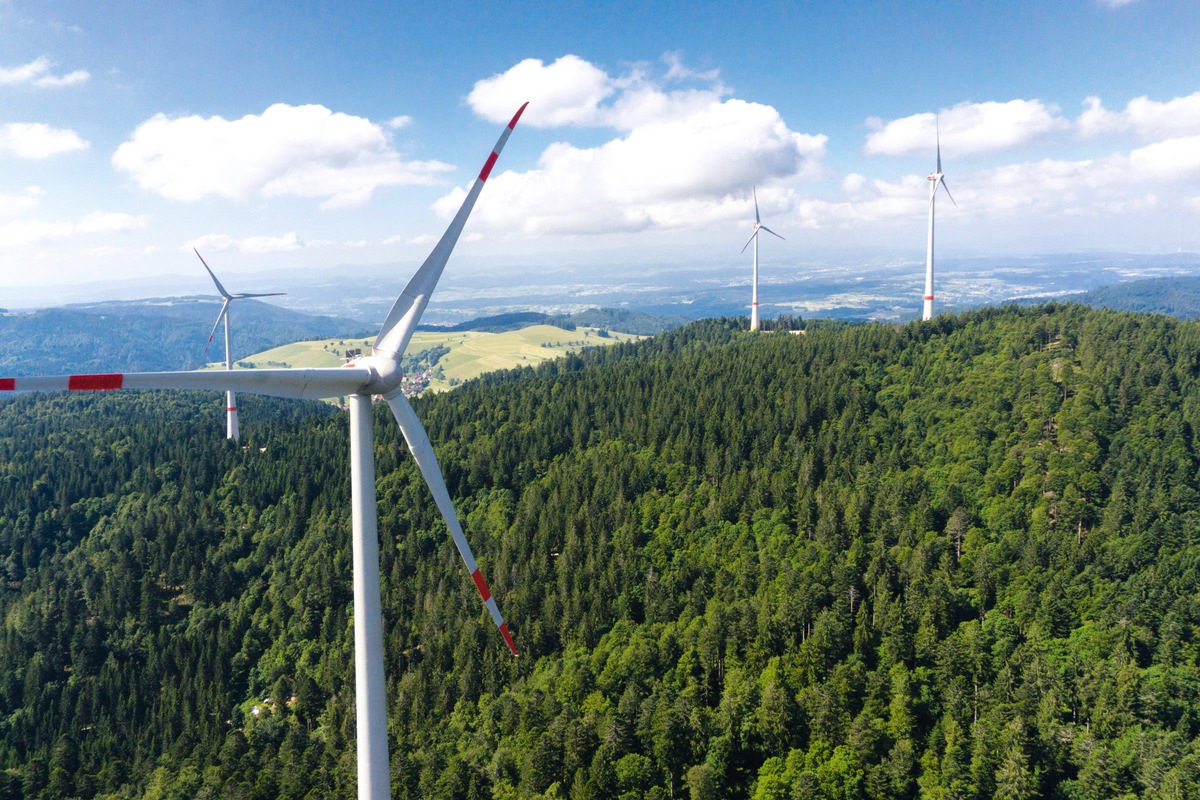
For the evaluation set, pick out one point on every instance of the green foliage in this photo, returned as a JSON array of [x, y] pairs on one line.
[[956, 558]]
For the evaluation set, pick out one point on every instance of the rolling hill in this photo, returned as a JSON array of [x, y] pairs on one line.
[[451, 356], [147, 335]]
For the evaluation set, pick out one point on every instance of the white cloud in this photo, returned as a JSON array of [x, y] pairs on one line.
[[111, 222], [423, 239], [37, 73], [966, 128], [1171, 160], [223, 243], [28, 233], [11, 204], [38, 140], [1149, 119], [287, 151], [684, 156], [1115, 3], [567, 92]]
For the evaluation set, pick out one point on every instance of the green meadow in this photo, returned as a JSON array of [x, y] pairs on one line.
[[472, 353]]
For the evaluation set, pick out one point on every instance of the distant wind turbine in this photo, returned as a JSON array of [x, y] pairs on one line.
[[231, 423], [758, 226], [935, 180], [359, 380]]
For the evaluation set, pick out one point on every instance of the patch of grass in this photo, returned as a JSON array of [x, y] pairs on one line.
[[472, 353]]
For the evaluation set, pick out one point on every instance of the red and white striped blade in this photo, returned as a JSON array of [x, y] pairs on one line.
[[422, 451], [311, 384], [406, 313]]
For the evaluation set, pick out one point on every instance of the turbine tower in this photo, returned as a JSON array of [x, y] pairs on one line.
[[758, 226], [231, 422], [376, 374], [935, 180]]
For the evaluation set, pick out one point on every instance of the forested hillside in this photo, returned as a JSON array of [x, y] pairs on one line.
[[1178, 296], [150, 335], [952, 559]]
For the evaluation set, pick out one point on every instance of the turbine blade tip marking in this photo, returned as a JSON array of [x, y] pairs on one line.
[[92, 383], [513, 122], [481, 585], [508, 640], [8, 384], [929, 297]]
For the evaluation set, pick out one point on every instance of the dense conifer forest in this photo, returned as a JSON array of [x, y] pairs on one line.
[[953, 559]]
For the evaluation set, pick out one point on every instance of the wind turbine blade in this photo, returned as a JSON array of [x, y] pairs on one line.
[[422, 451], [220, 316], [406, 313], [754, 191], [312, 384], [768, 230], [938, 133], [220, 288], [942, 181], [261, 294], [751, 239]]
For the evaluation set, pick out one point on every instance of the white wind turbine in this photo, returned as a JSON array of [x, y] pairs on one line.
[[359, 380], [935, 180], [231, 423], [758, 226]]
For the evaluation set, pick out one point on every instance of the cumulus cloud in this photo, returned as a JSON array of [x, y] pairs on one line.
[[287, 151], [38, 140], [966, 128], [685, 153], [37, 73], [224, 243], [12, 204], [111, 222], [423, 239], [1148, 119], [1159, 175], [28, 233], [567, 92]]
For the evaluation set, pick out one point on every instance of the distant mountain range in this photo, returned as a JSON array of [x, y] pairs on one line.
[[170, 333], [622, 320], [1175, 297], [150, 335]]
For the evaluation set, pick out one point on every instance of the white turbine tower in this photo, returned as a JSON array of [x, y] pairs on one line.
[[758, 226], [231, 422], [935, 180], [359, 380]]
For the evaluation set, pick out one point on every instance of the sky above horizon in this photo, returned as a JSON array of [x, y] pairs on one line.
[[310, 135]]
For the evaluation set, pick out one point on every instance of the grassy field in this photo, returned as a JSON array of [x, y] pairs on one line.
[[472, 353]]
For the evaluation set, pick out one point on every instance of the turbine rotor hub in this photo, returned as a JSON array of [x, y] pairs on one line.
[[385, 373]]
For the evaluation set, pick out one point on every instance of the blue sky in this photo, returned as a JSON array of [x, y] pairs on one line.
[[275, 136]]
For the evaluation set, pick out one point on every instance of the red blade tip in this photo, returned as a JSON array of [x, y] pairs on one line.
[[508, 638], [517, 115]]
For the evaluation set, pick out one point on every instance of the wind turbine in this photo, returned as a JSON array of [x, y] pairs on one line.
[[936, 179], [758, 226], [360, 379], [231, 424]]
